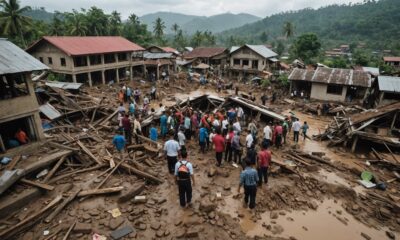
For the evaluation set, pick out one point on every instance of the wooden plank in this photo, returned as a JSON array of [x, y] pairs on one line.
[[132, 193], [38, 184], [54, 169], [95, 110], [106, 119], [88, 152], [27, 222], [100, 191], [69, 230], [57, 178], [139, 173], [62, 205], [45, 161], [13, 162], [135, 146], [60, 146], [394, 157]]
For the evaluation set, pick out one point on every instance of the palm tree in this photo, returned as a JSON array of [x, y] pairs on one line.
[[175, 28], [76, 24], [11, 19], [288, 29], [115, 23], [57, 25], [158, 29]]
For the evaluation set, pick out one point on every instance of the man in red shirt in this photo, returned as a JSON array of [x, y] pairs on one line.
[[278, 135], [219, 143], [127, 126], [21, 137], [228, 150], [263, 163]]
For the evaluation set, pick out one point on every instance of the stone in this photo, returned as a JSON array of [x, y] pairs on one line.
[[155, 225], [305, 229], [227, 188], [180, 233], [115, 223], [139, 199], [86, 216], [211, 215], [313, 205], [120, 233], [241, 215], [160, 233], [142, 226], [207, 206], [82, 228], [339, 212], [192, 233], [212, 172], [364, 235], [390, 235], [192, 221], [167, 233], [178, 222], [355, 207], [274, 215]]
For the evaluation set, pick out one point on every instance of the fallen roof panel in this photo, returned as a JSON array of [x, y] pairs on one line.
[[49, 111], [257, 107], [389, 84], [64, 85]]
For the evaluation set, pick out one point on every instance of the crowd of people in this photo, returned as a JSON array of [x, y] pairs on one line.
[[221, 131]]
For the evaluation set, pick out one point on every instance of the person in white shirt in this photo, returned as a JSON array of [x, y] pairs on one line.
[[137, 129], [171, 150], [181, 138], [296, 126], [225, 124], [240, 113], [236, 126], [215, 123], [249, 139], [267, 135]]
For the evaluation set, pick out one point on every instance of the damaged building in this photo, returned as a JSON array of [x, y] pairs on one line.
[[385, 90], [90, 60], [330, 84], [18, 103]]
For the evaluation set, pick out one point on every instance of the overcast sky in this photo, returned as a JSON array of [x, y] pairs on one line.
[[261, 8]]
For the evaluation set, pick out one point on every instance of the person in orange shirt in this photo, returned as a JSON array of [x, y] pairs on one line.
[[21, 136], [121, 96]]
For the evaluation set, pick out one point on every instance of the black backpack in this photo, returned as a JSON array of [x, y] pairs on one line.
[[183, 171]]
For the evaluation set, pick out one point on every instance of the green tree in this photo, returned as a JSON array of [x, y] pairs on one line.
[[339, 62], [288, 30], [76, 23], [12, 20], [306, 47], [175, 27], [97, 22], [179, 40], [57, 27], [361, 58], [263, 37], [280, 48], [115, 24], [158, 30], [197, 39], [135, 31], [208, 38]]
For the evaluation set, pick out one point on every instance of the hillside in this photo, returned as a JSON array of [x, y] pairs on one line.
[[191, 23], [39, 14], [374, 22], [218, 23]]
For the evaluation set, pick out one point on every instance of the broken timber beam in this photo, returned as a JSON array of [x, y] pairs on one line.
[[145, 175], [88, 152], [62, 205], [100, 191], [54, 169], [132, 193], [37, 184]]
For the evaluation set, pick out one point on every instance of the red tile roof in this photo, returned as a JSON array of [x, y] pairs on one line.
[[90, 45], [391, 59], [204, 52], [169, 49]]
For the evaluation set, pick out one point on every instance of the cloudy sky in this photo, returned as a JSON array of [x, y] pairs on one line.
[[259, 8]]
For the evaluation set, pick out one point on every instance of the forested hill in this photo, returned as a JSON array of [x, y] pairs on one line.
[[376, 23], [190, 23], [39, 14]]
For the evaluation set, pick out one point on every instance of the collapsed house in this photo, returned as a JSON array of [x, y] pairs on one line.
[[18, 104], [330, 84], [158, 59], [385, 90], [379, 126], [217, 57], [90, 60]]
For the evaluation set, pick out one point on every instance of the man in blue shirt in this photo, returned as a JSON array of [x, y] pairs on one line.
[[185, 178], [249, 179], [119, 142], [203, 136], [153, 133], [163, 125], [186, 124]]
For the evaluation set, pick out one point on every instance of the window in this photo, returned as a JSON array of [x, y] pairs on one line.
[[122, 57], [63, 63], [236, 61], [254, 64], [9, 130], [245, 62], [334, 89], [95, 59], [50, 60], [12, 86], [109, 58], [41, 59], [80, 61]]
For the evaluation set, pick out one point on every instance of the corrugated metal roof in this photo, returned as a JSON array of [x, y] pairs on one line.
[[170, 50], [74, 46], [13, 59], [64, 85], [389, 84], [149, 55], [371, 70], [233, 48], [49, 111], [262, 50], [204, 52], [332, 76], [391, 59]]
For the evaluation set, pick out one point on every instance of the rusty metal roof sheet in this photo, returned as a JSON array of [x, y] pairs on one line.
[[204, 52], [75, 46], [332, 76], [13, 59]]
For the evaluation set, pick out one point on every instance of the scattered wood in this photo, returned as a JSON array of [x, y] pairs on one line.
[[55, 179], [100, 191], [13, 162], [88, 152], [132, 193], [141, 173], [54, 169], [62, 205], [69, 231], [38, 184]]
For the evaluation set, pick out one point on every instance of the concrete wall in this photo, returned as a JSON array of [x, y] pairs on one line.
[[318, 91], [24, 106], [46, 50], [247, 54]]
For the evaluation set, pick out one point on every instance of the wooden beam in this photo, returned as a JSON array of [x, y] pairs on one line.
[[38, 184], [62, 205], [142, 174], [57, 178], [27, 222], [13, 162], [60, 146], [132, 193], [88, 152], [54, 169], [100, 191], [69, 230]]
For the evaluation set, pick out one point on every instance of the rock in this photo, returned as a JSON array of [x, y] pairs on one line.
[[192, 233], [211, 215], [167, 233], [313, 205], [364, 235], [305, 229], [94, 212], [274, 215], [282, 213], [82, 228], [155, 225], [339, 212], [241, 215], [115, 223], [390, 235], [207, 206], [192, 221], [227, 188], [180, 233], [178, 222], [355, 207], [142, 226], [86, 216], [160, 233], [212, 172]]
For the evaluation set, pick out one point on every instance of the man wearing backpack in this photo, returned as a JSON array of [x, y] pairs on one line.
[[263, 162], [184, 177]]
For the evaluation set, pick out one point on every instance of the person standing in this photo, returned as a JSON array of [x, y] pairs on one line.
[[181, 139], [137, 129], [263, 163], [278, 135], [264, 99], [285, 129], [187, 126], [228, 148], [119, 142], [251, 155], [296, 129], [253, 130], [131, 108], [249, 179], [153, 133], [236, 126], [249, 139], [267, 134], [127, 126], [171, 150], [185, 178], [128, 93], [304, 129], [225, 124], [203, 136], [219, 144], [163, 125], [236, 148]]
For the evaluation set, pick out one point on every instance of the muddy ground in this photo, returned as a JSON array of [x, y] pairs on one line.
[[321, 202]]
